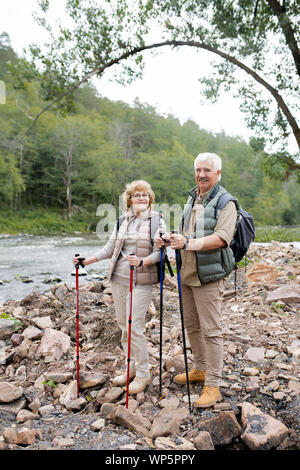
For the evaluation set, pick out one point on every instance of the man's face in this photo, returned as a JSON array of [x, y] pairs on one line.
[[205, 175]]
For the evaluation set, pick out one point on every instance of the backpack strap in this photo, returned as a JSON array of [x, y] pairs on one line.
[[154, 225]]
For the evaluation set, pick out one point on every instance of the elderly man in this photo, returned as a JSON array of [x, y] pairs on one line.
[[206, 259]]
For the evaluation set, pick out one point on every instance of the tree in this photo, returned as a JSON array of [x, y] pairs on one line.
[[251, 38]]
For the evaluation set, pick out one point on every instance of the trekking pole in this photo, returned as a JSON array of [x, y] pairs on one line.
[[177, 254], [77, 324], [129, 331], [162, 268]]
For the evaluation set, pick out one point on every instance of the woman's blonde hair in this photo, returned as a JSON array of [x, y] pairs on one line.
[[138, 185]]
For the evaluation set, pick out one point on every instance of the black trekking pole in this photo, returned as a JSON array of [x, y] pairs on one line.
[[177, 255], [162, 269], [129, 330]]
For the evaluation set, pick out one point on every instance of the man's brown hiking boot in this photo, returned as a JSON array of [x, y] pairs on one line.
[[209, 396], [194, 375]]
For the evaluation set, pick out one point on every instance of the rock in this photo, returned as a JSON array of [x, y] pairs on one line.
[[58, 377], [232, 349], [289, 294], [35, 404], [69, 394], [250, 371], [77, 404], [63, 442], [96, 287], [278, 396], [7, 328], [294, 349], [274, 385], [16, 339], [23, 350], [252, 385], [39, 383], [111, 396], [46, 410], [31, 332], [203, 441], [261, 431], [271, 354], [9, 392], [13, 407], [89, 380], [97, 425], [167, 422], [172, 402], [222, 428], [261, 273], [59, 390], [255, 354], [124, 417], [54, 344], [20, 374], [176, 363], [23, 437], [43, 322], [25, 415], [294, 387], [60, 291], [18, 313], [106, 410], [165, 443]]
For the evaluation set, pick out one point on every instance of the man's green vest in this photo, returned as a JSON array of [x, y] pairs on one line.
[[212, 265]]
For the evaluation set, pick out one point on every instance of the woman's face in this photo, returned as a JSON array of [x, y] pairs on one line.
[[140, 200]]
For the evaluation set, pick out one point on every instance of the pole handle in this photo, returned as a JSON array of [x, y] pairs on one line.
[[132, 267]]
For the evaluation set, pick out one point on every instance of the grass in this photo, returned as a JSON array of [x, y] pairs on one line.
[[45, 221], [277, 233]]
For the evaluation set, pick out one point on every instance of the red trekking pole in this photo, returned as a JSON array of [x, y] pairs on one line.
[[129, 333], [77, 321]]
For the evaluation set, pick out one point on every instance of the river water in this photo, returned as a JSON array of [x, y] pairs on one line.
[[34, 263]]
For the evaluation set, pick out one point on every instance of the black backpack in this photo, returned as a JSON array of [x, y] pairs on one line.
[[244, 230], [154, 224]]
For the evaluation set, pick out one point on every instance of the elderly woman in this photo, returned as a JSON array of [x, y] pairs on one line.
[[133, 235]]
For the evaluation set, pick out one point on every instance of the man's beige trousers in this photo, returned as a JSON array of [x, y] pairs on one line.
[[202, 315], [141, 298]]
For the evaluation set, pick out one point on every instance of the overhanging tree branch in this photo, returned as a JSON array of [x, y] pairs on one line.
[[99, 70], [287, 30]]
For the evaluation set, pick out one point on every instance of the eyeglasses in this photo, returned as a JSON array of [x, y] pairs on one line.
[[140, 196]]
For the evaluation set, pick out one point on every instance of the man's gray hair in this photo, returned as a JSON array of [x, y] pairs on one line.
[[209, 156]]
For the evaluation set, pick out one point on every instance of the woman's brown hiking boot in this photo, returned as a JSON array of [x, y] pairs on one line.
[[194, 375]]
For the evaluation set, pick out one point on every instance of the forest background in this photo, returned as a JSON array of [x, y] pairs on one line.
[[74, 161]]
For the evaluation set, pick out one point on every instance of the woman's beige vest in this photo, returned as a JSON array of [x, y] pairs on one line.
[[144, 247]]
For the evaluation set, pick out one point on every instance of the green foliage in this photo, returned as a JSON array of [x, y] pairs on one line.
[[52, 181], [6, 316], [252, 38], [50, 383], [280, 234]]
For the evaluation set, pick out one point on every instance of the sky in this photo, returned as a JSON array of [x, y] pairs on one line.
[[170, 82]]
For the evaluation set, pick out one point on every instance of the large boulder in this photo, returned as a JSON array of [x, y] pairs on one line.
[[222, 428], [261, 431]]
